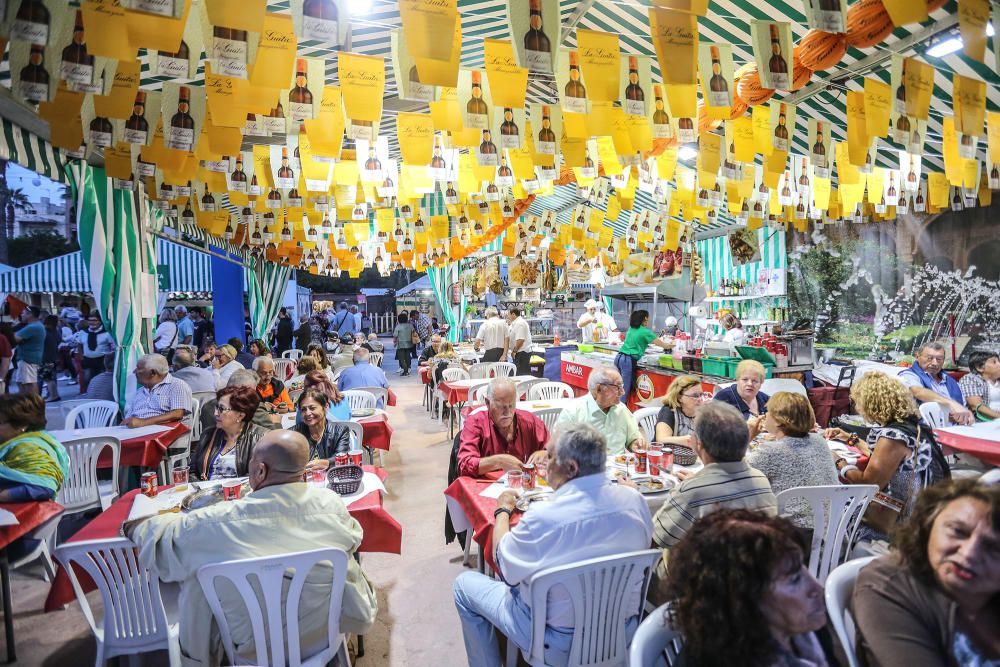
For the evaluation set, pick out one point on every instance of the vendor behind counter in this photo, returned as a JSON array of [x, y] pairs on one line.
[[637, 339]]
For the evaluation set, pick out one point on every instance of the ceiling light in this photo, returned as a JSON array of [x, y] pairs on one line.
[[949, 46], [687, 153]]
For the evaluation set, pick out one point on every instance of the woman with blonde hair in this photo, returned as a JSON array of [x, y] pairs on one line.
[[446, 357], [792, 455], [904, 457], [745, 394], [675, 421]]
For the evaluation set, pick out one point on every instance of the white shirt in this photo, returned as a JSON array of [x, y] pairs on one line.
[[588, 517], [105, 343], [222, 374], [519, 330], [165, 336], [606, 322], [736, 336], [492, 333], [994, 398]]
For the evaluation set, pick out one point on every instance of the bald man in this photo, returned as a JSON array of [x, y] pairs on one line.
[[283, 515]]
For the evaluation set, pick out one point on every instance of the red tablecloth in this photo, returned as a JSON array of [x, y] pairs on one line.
[[453, 395], [378, 433], [987, 451], [382, 534], [29, 516], [479, 509], [146, 451], [390, 399], [425, 374]]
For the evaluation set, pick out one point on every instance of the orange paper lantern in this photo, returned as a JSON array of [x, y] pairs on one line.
[[821, 50], [800, 73], [867, 24], [749, 90]]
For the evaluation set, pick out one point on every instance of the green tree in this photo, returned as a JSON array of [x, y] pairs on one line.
[[11, 201], [38, 246]]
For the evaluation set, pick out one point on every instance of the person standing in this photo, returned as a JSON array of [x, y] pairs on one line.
[[30, 349], [50, 357], [303, 335], [403, 338], [185, 327], [343, 322], [595, 326], [492, 336], [638, 338], [519, 341], [167, 334], [421, 325], [366, 324], [94, 344], [283, 335], [203, 327]]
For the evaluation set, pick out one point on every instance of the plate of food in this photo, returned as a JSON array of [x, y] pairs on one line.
[[530, 497], [627, 458], [358, 413], [648, 484]]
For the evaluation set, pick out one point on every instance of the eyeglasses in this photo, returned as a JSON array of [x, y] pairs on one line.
[[220, 410], [695, 396], [620, 386]]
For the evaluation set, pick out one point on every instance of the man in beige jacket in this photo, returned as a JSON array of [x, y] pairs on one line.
[[282, 515]]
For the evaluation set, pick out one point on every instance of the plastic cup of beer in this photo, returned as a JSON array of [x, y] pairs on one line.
[[231, 489], [181, 477]]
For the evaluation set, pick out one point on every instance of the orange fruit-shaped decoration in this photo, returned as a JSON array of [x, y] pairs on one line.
[[867, 24], [800, 73], [935, 4], [749, 90], [706, 123], [822, 50], [738, 109]]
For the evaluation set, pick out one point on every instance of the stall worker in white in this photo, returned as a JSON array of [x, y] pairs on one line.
[[161, 398], [283, 515], [733, 328], [492, 337], [929, 383], [588, 517], [519, 341], [602, 408], [595, 325]]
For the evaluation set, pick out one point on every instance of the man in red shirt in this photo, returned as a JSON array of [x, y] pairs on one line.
[[501, 437]]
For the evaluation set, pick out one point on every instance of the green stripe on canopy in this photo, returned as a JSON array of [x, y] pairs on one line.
[[266, 285]]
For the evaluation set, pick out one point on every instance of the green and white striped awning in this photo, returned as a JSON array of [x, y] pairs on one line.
[[190, 271], [31, 152]]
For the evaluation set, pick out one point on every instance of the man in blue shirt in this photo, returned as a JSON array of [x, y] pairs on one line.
[[343, 322], [185, 327], [362, 373], [30, 345], [928, 382]]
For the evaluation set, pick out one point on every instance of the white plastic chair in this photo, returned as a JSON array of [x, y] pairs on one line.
[[598, 588], [455, 374], [135, 619], [203, 398], [646, 417], [483, 371], [548, 416], [375, 358], [283, 368], [358, 399], [92, 414], [66, 405], [81, 489], [837, 591], [503, 369], [478, 394], [934, 415], [524, 386], [655, 643], [43, 536], [294, 355], [381, 395], [837, 511], [357, 432], [772, 386], [549, 391], [180, 450], [277, 642]]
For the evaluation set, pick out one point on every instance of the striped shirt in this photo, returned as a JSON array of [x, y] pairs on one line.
[[733, 485], [170, 394]]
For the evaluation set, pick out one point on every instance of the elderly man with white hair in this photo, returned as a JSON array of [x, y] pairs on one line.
[[273, 394], [602, 408], [492, 336], [595, 325], [160, 398], [588, 517], [501, 437], [362, 373]]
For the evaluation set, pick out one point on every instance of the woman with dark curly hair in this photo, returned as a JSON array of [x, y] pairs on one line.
[[935, 602], [225, 449], [742, 594]]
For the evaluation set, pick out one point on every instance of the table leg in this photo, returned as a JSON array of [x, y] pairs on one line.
[[8, 611]]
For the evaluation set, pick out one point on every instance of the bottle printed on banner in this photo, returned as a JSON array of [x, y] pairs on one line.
[[31, 23], [33, 81], [537, 47], [181, 123], [320, 21], [137, 127]]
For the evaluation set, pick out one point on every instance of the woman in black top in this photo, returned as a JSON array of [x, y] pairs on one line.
[[326, 438], [50, 355], [225, 449], [675, 421]]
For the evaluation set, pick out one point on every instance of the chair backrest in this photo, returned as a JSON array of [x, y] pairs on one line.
[[359, 399], [548, 416], [193, 420], [524, 386], [656, 643], [375, 358], [80, 490], [772, 386], [356, 429], [277, 642], [478, 394], [381, 394], [92, 414], [598, 589], [933, 414], [837, 591], [837, 511], [294, 355], [481, 371], [503, 369], [283, 368], [453, 374], [67, 405], [549, 391], [134, 618], [646, 417]]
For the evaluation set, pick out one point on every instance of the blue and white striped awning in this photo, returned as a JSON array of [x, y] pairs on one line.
[[190, 271]]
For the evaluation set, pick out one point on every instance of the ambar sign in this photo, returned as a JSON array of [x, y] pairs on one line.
[[573, 369]]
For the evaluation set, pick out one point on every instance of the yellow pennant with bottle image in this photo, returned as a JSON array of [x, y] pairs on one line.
[[508, 82], [715, 66], [772, 49], [362, 80], [275, 53], [427, 25], [969, 98], [600, 61], [878, 106], [415, 132], [675, 37]]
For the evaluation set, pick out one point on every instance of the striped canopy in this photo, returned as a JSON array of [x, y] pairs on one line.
[[190, 271]]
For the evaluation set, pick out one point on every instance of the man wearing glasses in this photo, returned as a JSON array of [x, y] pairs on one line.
[[160, 398], [602, 408]]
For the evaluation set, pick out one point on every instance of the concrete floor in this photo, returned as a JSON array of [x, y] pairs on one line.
[[417, 624]]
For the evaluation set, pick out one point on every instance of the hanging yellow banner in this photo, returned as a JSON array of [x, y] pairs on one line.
[[675, 37], [222, 95], [428, 24], [683, 100], [416, 137], [919, 85], [608, 156], [275, 53], [709, 153], [508, 82], [878, 104], [600, 59], [743, 139], [953, 163], [118, 103], [445, 112], [903, 12], [993, 135], [326, 132], [362, 80], [857, 128], [666, 163], [157, 33], [761, 128], [937, 189], [973, 15], [111, 40], [442, 72], [821, 193], [969, 99]]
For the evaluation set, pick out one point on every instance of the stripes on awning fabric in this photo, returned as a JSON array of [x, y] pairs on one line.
[[31, 152], [190, 271]]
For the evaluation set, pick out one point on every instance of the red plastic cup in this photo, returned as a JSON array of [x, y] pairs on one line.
[[231, 489], [355, 457]]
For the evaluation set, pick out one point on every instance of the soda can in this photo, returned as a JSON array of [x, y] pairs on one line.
[[528, 476], [640, 461], [667, 460], [340, 459], [355, 457], [147, 483]]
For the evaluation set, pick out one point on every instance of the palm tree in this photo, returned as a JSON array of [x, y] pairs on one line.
[[11, 201]]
